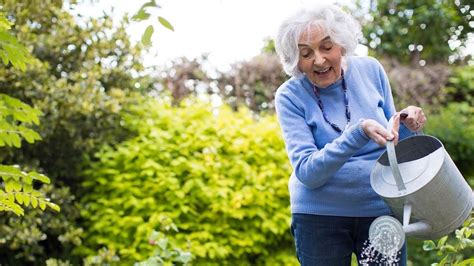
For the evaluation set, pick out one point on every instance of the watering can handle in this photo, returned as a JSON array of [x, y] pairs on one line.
[[392, 158]]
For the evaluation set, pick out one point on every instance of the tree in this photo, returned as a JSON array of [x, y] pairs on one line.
[[15, 121], [250, 83], [420, 31], [82, 77], [183, 78]]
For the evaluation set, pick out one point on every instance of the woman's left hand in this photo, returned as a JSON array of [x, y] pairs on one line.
[[415, 118]]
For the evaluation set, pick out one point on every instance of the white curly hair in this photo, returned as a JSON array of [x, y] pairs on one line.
[[341, 27]]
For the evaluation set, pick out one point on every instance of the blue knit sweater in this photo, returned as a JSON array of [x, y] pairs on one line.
[[331, 170]]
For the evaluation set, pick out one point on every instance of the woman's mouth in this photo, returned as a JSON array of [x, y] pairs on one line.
[[322, 71]]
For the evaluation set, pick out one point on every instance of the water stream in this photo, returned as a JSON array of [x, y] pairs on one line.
[[370, 255], [386, 238]]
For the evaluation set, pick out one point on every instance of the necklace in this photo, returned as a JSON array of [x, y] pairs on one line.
[[346, 102]]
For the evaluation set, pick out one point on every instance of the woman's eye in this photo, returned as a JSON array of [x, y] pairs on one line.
[[327, 47], [305, 54]]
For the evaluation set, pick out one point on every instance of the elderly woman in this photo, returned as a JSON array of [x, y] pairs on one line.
[[333, 112]]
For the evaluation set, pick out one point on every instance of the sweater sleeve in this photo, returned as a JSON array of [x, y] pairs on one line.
[[388, 103], [312, 166]]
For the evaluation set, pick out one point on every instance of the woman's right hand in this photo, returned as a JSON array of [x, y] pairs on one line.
[[375, 131]]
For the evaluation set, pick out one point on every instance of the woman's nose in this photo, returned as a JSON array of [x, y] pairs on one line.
[[318, 59]]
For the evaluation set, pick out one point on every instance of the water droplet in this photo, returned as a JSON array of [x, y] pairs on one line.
[[386, 239]]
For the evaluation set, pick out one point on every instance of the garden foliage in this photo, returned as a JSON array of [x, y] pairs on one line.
[[17, 186], [454, 126], [460, 86], [456, 249], [415, 30], [16, 119], [220, 176], [80, 76]]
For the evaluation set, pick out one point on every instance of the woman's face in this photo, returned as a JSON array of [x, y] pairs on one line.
[[319, 57]]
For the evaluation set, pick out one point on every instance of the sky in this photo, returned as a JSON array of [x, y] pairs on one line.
[[227, 30]]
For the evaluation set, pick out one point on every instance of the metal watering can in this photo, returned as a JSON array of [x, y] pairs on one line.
[[424, 189]]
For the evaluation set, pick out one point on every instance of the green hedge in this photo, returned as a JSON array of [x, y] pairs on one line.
[[454, 126], [220, 176], [460, 87]]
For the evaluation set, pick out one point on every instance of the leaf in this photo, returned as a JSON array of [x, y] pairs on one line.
[[12, 51], [5, 24], [449, 248], [20, 116], [165, 23], [26, 200], [443, 261], [15, 140], [184, 257], [468, 232], [146, 37], [53, 206], [9, 205], [150, 4], [429, 245], [466, 262], [34, 201], [7, 139], [27, 188], [35, 113], [42, 204], [442, 241], [174, 227], [27, 180], [40, 177], [12, 102], [141, 15], [162, 243], [16, 185], [19, 198], [9, 185], [7, 171], [10, 197], [30, 135]]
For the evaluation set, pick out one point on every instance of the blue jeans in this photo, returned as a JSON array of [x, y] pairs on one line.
[[331, 240]]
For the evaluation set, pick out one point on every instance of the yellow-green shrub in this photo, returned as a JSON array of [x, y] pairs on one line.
[[220, 176]]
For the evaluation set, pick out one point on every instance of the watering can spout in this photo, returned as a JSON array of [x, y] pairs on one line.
[[418, 228]]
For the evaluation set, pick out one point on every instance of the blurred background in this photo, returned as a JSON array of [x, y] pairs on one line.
[[153, 123]]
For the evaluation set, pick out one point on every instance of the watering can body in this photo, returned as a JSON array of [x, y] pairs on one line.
[[423, 187]]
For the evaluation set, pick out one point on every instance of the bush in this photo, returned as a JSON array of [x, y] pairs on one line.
[[23, 239], [461, 85], [454, 126], [165, 252], [455, 249], [221, 178]]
